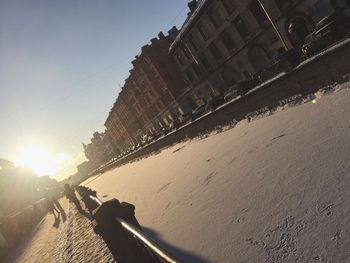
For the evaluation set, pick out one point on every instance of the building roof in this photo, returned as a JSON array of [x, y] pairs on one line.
[[201, 4]]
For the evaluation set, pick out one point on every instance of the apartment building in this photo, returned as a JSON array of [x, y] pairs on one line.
[[118, 123], [148, 100], [226, 41]]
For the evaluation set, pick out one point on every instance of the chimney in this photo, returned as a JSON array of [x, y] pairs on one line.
[[192, 5], [154, 40], [173, 32], [144, 48], [161, 35]]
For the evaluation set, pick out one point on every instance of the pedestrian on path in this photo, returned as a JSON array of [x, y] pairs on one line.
[[57, 204], [70, 194], [51, 207]]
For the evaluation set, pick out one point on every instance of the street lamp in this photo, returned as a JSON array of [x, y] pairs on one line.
[[273, 25]]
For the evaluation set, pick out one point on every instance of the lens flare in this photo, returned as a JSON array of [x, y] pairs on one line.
[[38, 159]]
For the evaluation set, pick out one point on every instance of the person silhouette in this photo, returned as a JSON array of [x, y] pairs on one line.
[[70, 194], [56, 203], [51, 207]]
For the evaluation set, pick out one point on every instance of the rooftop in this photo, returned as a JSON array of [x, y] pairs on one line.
[[200, 5]]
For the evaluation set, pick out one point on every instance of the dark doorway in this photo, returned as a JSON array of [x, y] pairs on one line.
[[229, 76], [191, 103], [258, 57]]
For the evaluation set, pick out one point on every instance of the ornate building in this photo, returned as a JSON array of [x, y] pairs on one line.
[[225, 41], [100, 150]]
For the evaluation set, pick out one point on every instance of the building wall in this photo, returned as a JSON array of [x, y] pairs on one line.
[[226, 41], [221, 43], [118, 123], [147, 101]]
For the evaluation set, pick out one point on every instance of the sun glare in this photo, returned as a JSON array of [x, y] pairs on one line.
[[39, 160]]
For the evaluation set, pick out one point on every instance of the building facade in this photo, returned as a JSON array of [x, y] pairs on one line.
[[148, 100], [226, 41], [222, 42], [100, 150]]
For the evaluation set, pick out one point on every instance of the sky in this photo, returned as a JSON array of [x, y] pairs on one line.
[[62, 64]]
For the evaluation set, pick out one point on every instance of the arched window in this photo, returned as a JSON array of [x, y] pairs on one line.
[[258, 57], [191, 103], [342, 6], [229, 76]]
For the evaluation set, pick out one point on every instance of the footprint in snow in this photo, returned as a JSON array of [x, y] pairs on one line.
[[274, 140], [209, 178], [179, 149], [167, 206], [233, 159], [164, 187], [278, 137]]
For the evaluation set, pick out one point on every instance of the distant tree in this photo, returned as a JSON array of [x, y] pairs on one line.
[[20, 187]]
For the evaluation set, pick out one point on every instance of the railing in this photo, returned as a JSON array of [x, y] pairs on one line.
[[140, 245]]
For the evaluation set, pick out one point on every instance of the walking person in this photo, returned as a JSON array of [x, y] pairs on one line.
[[51, 207], [56, 203], [70, 194]]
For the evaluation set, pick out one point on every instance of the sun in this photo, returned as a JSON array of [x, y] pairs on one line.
[[36, 158]]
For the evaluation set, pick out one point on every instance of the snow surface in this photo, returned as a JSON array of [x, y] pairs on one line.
[[71, 239], [274, 189]]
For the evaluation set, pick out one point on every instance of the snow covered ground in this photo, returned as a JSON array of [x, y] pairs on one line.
[[69, 239], [275, 189]]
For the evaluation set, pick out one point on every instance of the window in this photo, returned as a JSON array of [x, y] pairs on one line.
[[273, 37], [215, 51], [242, 28], [197, 70], [215, 18], [186, 52], [160, 105], [190, 75], [204, 60], [153, 92], [203, 31], [258, 13], [155, 80], [166, 99], [180, 58], [283, 5], [191, 103], [230, 5], [246, 74], [158, 82], [193, 43], [147, 60], [227, 39]]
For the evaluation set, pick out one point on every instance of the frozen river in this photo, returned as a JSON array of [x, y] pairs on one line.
[[276, 189]]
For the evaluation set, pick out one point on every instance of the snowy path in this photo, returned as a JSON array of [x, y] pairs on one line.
[[70, 240], [273, 190]]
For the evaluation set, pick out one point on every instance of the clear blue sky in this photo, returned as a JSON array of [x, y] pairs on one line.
[[62, 63]]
